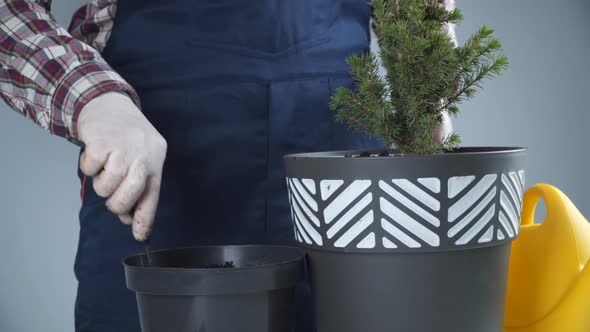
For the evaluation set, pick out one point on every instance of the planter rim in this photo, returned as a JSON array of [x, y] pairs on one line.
[[128, 261], [463, 151], [281, 268]]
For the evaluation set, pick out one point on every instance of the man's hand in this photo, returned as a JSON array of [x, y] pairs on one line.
[[444, 130], [125, 155]]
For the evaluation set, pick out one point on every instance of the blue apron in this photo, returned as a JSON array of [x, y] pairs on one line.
[[232, 85]]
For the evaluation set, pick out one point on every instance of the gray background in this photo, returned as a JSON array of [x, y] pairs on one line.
[[541, 102]]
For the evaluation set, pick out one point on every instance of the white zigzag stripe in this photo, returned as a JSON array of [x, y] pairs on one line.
[[431, 183], [295, 226], [309, 184], [521, 175], [487, 236], [506, 224], [475, 229], [472, 214], [328, 187], [351, 213], [297, 237], [300, 231], [418, 193], [346, 197], [290, 198], [513, 184], [368, 242], [409, 223], [510, 189], [520, 198], [458, 183], [409, 204], [465, 202], [507, 206], [355, 230], [398, 234], [310, 214], [317, 238], [308, 199], [386, 242], [516, 183]]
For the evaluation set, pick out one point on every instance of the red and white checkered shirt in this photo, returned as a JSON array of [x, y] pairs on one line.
[[48, 73]]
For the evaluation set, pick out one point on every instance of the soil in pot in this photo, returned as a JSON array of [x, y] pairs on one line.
[[226, 265]]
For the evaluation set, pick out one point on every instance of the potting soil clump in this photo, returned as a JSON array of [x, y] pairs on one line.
[[226, 265]]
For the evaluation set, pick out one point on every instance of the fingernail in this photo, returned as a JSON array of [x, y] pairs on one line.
[[139, 232], [138, 236], [126, 219]]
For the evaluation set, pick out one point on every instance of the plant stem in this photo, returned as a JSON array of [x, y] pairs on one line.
[[358, 123]]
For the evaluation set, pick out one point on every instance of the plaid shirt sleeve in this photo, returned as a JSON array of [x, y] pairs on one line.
[[48, 75]]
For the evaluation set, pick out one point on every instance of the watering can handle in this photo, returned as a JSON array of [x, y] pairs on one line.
[[554, 202]]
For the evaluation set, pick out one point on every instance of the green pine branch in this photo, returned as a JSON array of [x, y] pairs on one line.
[[426, 75]]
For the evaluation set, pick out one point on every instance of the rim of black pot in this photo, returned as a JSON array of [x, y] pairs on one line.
[[141, 257], [462, 151], [276, 273]]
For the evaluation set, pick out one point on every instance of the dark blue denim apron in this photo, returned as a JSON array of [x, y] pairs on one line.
[[232, 85]]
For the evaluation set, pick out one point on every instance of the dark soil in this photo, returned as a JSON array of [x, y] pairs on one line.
[[226, 265], [365, 154], [384, 154]]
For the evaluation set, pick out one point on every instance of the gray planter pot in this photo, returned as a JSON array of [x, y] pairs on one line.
[[178, 293], [408, 243]]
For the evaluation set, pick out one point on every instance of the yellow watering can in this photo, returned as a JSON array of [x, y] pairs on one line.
[[549, 278]]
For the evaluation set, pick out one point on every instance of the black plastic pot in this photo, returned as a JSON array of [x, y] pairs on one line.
[[408, 243], [179, 293]]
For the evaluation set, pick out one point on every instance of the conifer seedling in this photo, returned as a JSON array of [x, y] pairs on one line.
[[426, 75]]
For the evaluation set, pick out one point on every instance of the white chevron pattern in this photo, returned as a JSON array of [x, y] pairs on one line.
[[355, 230], [344, 199], [349, 215], [343, 214], [477, 227], [346, 215], [433, 184], [411, 208], [405, 213], [388, 244], [458, 185], [398, 235], [303, 210], [328, 187], [470, 217], [473, 208], [488, 236], [368, 242], [511, 203]]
